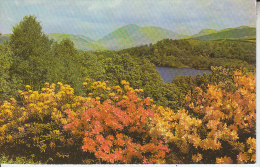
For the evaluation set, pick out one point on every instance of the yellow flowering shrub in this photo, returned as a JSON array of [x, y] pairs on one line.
[[218, 126], [102, 90], [33, 124]]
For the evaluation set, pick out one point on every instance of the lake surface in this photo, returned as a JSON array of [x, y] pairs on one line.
[[169, 73]]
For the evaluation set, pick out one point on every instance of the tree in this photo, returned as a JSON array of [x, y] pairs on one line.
[[30, 47], [64, 65]]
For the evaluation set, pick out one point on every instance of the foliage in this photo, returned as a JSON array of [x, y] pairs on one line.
[[18, 160], [219, 125], [63, 65], [30, 46], [8, 83], [5, 64]]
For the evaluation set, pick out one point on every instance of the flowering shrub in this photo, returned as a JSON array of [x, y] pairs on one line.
[[110, 126], [117, 129], [34, 124], [218, 127], [114, 125]]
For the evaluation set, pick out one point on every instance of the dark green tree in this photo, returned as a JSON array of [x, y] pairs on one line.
[[64, 65], [30, 48]]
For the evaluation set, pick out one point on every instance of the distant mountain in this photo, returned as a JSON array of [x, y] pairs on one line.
[[204, 32], [4, 37], [81, 42], [133, 35], [155, 34], [243, 32]]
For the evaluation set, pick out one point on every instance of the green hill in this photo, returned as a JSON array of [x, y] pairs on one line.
[[156, 34], [4, 37], [81, 42], [133, 35], [204, 32], [242, 32]]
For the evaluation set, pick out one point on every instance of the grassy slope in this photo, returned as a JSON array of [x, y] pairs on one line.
[[243, 32], [204, 32]]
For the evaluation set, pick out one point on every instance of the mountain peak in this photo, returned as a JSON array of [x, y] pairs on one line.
[[130, 26], [207, 31], [132, 35]]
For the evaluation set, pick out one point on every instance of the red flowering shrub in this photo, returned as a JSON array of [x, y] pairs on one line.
[[117, 130]]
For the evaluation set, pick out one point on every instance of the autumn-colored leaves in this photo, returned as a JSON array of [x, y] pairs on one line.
[[113, 124]]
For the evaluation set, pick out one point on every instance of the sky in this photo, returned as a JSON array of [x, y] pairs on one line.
[[97, 18]]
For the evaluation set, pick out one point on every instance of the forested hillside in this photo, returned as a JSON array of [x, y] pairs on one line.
[[198, 54], [62, 105]]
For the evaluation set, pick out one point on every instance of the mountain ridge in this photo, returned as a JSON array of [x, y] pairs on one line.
[[81, 42], [242, 32], [132, 35]]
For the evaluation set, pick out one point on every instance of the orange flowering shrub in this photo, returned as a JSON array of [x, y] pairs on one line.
[[219, 125], [116, 130]]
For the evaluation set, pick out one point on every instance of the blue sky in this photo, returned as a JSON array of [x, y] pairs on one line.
[[96, 18]]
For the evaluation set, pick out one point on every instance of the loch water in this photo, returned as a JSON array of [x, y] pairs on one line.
[[169, 73]]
